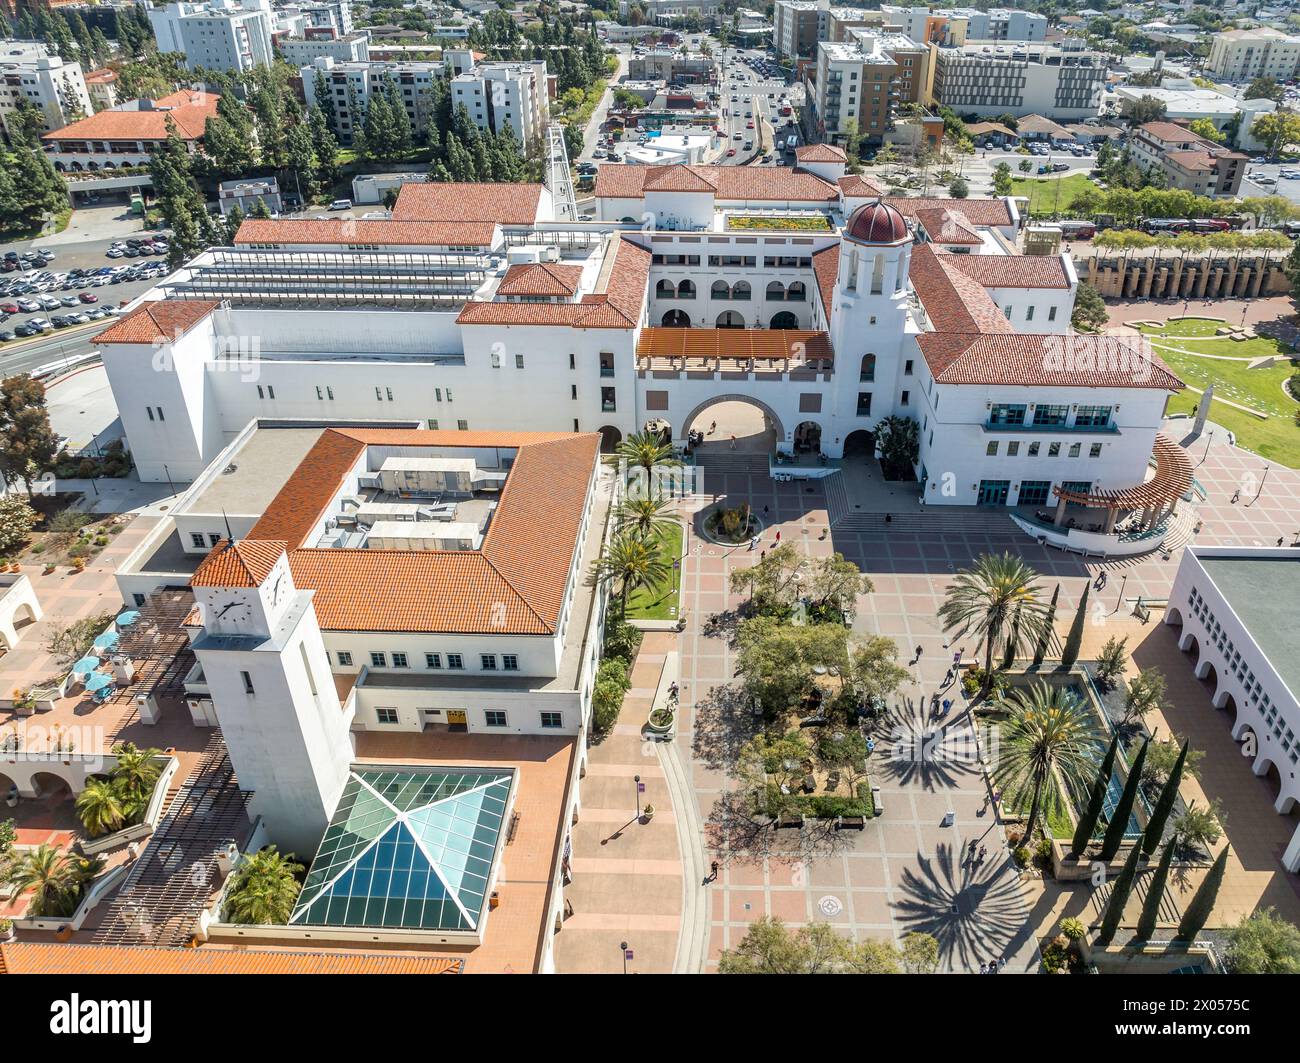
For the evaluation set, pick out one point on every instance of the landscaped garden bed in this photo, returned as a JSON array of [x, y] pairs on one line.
[[766, 223], [732, 526]]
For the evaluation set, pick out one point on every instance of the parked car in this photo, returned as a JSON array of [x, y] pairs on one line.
[[341, 204], [88, 297]]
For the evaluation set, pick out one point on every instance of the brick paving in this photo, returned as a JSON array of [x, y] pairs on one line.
[[905, 872]]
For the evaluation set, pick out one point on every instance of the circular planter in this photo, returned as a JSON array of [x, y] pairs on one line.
[[708, 528], [666, 719], [647, 813]]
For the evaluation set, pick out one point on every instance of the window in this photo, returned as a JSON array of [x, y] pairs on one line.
[[488, 661], [386, 715], [552, 719], [213, 538], [1045, 414], [510, 662], [462, 426], [1005, 413], [378, 660], [454, 661], [1029, 313], [1051, 313], [1013, 448], [519, 361], [906, 398], [197, 540], [496, 359], [345, 659], [1053, 450], [992, 449], [399, 660], [494, 718], [1033, 450], [433, 660], [907, 368], [1074, 449], [1092, 416], [573, 391], [864, 404], [248, 682], [1094, 451]]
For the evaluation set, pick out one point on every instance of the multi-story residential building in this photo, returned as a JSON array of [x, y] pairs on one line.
[[798, 25], [126, 135], [319, 44], [102, 86], [1191, 162], [506, 96], [245, 193], [863, 81], [1234, 609], [350, 86], [864, 308], [30, 76], [335, 16], [842, 21], [988, 80], [1243, 55], [230, 35], [955, 26]]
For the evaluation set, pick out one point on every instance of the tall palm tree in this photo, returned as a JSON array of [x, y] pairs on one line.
[[644, 516], [265, 888], [50, 875], [1047, 730], [646, 450], [632, 562], [100, 807], [983, 599], [135, 773]]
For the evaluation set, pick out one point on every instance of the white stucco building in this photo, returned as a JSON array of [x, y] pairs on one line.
[[30, 75], [505, 95], [1235, 608], [231, 35]]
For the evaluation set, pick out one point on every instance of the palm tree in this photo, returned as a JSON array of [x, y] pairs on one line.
[[644, 516], [50, 874], [646, 450], [1047, 731], [135, 773], [265, 888], [631, 561], [100, 807], [982, 600]]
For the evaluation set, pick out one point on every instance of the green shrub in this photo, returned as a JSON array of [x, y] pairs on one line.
[[1021, 856], [1073, 929], [1044, 849], [1056, 958], [621, 639]]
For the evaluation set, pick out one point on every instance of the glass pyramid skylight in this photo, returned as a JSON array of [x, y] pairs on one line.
[[407, 848]]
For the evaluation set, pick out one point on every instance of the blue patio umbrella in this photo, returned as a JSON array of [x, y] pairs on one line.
[[128, 618], [98, 681], [86, 664], [107, 641]]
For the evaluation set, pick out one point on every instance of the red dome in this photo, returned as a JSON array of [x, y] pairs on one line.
[[876, 223]]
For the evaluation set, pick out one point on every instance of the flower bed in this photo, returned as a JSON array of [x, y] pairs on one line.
[[766, 223]]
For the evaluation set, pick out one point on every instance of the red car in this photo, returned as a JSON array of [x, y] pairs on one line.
[[731, 152], [9, 308], [88, 297], [749, 125]]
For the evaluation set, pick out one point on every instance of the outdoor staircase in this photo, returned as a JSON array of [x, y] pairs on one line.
[[732, 462], [837, 499], [937, 520]]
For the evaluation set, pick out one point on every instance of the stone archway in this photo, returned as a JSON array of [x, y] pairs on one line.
[[676, 319], [730, 319], [767, 411], [610, 437], [860, 444], [783, 319]]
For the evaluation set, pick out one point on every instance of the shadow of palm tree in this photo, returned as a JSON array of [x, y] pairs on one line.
[[913, 747], [723, 723], [975, 912], [738, 836]]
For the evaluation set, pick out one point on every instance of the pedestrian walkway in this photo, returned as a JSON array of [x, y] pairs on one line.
[[627, 876]]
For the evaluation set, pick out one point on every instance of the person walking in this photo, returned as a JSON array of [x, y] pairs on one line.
[[778, 536], [733, 441]]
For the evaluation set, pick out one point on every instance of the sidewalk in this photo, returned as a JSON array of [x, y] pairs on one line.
[[626, 875]]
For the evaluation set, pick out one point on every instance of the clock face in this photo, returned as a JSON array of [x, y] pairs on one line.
[[232, 612], [276, 590]]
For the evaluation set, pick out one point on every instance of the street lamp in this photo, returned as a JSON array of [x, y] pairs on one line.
[[1261, 486], [1122, 582], [171, 486], [622, 947], [636, 801], [1208, 440]]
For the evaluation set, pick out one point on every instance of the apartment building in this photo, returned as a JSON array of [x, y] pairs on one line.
[[506, 96], [863, 81], [1191, 162], [228, 35], [324, 43], [955, 26], [350, 86], [797, 26], [335, 17], [102, 86], [988, 80], [1243, 55], [29, 75]]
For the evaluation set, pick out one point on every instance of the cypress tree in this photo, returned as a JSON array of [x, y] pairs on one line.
[[1040, 651], [1151, 906], [1119, 897], [1074, 640], [1124, 809], [1164, 805], [1202, 904], [1088, 822]]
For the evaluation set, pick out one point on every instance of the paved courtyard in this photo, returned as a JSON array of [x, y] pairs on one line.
[[906, 871]]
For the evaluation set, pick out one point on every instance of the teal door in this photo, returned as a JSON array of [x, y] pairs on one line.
[[994, 492]]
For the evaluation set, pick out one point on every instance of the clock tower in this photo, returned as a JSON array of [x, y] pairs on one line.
[[265, 663]]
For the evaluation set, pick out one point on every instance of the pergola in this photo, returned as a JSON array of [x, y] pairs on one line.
[[158, 645], [1155, 499]]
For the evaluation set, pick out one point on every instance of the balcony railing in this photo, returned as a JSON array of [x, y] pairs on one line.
[[1069, 429]]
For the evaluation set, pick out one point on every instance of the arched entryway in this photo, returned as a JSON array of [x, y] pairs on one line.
[[660, 427], [784, 320], [808, 438], [676, 319], [51, 787], [730, 319], [860, 444], [754, 424], [610, 437]]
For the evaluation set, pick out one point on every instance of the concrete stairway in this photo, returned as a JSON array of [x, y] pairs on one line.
[[732, 461], [940, 520]]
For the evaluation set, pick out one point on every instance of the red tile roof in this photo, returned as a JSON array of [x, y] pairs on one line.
[[953, 301], [540, 278], [978, 211], [188, 110], [1171, 131], [506, 204], [243, 563], [44, 957], [618, 301], [161, 320], [877, 223], [855, 185], [1108, 361], [301, 502], [826, 268], [620, 181], [820, 153], [947, 226], [290, 231], [1012, 271]]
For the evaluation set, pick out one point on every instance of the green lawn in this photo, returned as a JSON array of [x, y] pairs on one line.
[[661, 602], [1047, 195], [1277, 438]]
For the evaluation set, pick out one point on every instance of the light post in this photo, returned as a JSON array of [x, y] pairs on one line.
[[1261, 487], [622, 947], [1122, 582], [636, 801], [171, 486], [1208, 440]]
